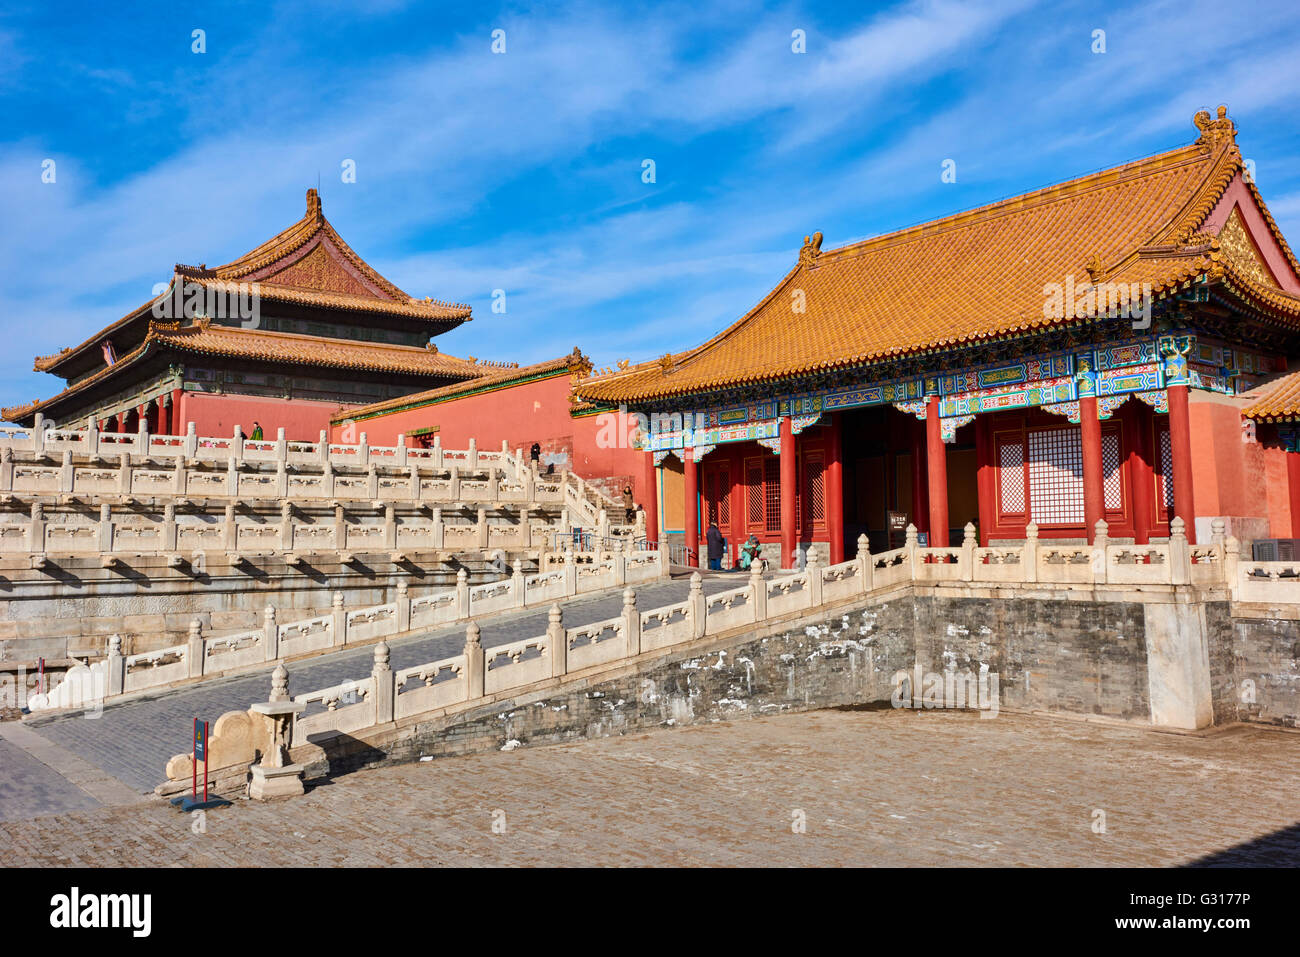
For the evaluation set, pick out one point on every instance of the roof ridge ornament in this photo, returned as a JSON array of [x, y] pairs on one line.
[[812, 248], [313, 204], [1214, 131], [1095, 267]]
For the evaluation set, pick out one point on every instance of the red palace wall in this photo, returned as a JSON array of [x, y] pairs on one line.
[[522, 414], [1235, 476], [217, 415]]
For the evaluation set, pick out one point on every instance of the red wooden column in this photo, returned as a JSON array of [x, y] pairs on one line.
[[1180, 440], [920, 490], [651, 501], [167, 413], [178, 424], [937, 460], [985, 485], [692, 505], [835, 491], [121, 421], [1141, 473], [788, 539], [1094, 498], [1293, 481]]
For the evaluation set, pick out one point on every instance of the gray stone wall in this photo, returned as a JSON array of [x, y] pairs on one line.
[[1267, 654]]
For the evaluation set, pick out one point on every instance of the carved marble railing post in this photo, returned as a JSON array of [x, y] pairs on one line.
[[557, 640], [517, 584], [403, 607], [286, 526], [414, 479], [124, 474], [570, 572], [437, 451], [1217, 529], [274, 776], [372, 482], [116, 666], [363, 450], [281, 447], [620, 563], [494, 485], [910, 544], [385, 690], [194, 648], [6, 469], [529, 479], [866, 568], [813, 570], [327, 479], [482, 527], [390, 527], [142, 438], [237, 445], [323, 452], [698, 609], [281, 478], [757, 591], [169, 527], [92, 437], [179, 478], [1180, 558], [1100, 542], [271, 633], [602, 527], [471, 460], [105, 528], [1231, 558], [462, 593], [38, 434], [966, 560], [191, 441], [36, 529], [631, 624], [229, 529], [1029, 554], [436, 530], [340, 528], [475, 664], [232, 476], [340, 623], [66, 473]]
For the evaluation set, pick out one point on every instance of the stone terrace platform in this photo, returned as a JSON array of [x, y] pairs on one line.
[[876, 788]]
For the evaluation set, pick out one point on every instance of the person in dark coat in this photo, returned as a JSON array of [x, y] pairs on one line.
[[535, 453], [714, 539], [629, 505]]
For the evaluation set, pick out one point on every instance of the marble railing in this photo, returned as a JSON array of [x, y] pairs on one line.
[[207, 655]]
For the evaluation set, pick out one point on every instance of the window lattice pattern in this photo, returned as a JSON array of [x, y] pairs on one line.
[[1166, 476], [772, 494], [814, 499], [1011, 477], [718, 492], [1112, 478], [754, 494], [1056, 477]]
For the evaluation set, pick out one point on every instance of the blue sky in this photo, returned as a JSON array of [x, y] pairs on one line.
[[523, 171]]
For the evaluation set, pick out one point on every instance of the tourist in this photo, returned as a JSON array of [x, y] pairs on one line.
[[714, 539], [750, 553], [257, 432], [629, 505], [535, 453]]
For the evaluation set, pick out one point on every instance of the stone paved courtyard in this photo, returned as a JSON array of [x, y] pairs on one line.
[[875, 787]]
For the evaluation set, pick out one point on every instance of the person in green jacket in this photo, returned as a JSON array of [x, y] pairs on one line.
[[257, 432]]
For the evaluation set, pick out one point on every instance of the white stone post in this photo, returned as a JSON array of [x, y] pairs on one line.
[[631, 624], [237, 445], [323, 449], [462, 593], [381, 674], [169, 527], [191, 440], [194, 648], [232, 477], [281, 446], [482, 527], [36, 529], [66, 473], [1029, 555], [415, 482], [124, 474], [1231, 558], [866, 567], [966, 571], [229, 529], [105, 529], [340, 623], [92, 437], [271, 634], [390, 527], [6, 469], [813, 570], [1180, 559], [180, 480], [557, 639], [403, 607], [1100, 544], [757, 591], [911, 545], [286, 526], [475, 664], [281, 479], [340, 529], [363, 450], [372, 482], [38, 433], [471, 460], [570, 574], [436, 527], [116, 666], [698, 610], [517, 585], [437, 451]]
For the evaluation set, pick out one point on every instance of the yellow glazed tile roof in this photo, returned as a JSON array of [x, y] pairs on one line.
[[975, 275], [1279, 399]]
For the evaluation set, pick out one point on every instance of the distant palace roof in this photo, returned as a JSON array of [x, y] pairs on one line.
[[981, 274], [203, 338], [306, 264]]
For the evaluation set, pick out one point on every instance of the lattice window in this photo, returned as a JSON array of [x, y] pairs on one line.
[[1011, 477], [1165, 473], [1056, 476], [1112, 477], [772, 494], [717, 493], [754, 493], [814, 490]]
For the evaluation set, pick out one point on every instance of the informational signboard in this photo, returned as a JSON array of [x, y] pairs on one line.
[[896, 530], [200, 740]]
